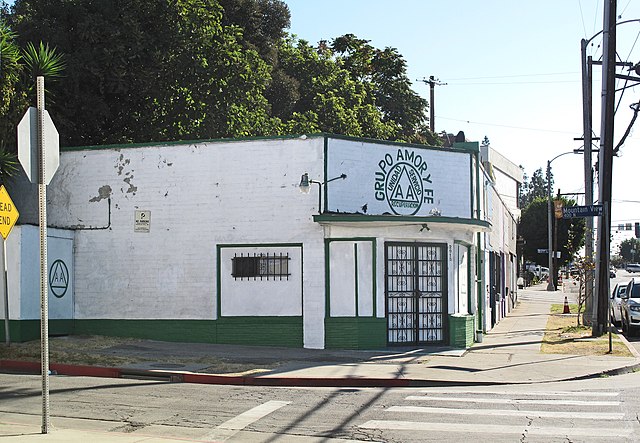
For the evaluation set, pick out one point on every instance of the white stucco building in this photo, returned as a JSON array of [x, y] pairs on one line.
[[213, 241]]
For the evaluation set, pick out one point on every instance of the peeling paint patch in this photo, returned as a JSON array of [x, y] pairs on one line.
[[121, 163], [103, 192], [132, 189]]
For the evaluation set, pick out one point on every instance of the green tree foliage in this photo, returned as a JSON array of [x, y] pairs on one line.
[[18, 71], [384, 74], [141, 71], [630, 250], [12, 96], [533, 229], [535, 187], [148, 71]]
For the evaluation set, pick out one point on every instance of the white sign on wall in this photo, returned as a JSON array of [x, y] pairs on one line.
[[142, 221], [398, 180]]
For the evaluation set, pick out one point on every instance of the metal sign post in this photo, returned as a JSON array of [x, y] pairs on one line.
[[44, 278], [38, 152], [7, 332]]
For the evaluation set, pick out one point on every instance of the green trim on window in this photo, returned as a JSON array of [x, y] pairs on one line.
[[355, 260], [327, 278], [221, 246], [355, 333], [327, 263]]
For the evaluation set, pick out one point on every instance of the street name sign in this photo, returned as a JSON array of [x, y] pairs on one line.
[[28, 145], [581, 211], [8, 213]]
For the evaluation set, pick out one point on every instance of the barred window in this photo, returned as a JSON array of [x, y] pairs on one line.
[[275, 266]]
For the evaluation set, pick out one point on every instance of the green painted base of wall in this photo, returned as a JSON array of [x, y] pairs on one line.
[[461, 330], [355, 333], [27, 330], [198, 331], [259, 331]]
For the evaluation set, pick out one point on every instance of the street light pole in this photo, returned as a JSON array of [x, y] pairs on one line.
[[551, 285], [588, 177]]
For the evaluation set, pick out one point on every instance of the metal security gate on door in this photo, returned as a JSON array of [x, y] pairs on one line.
[[416, 293]]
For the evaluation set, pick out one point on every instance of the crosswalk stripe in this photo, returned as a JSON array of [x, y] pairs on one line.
[[530, 393], [611, 433], [515, 401], [509, 413], [231, 427]]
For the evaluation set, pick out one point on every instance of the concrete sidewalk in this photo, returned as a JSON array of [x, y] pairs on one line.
[[510, 353]]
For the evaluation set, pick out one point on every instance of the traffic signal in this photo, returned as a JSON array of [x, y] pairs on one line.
[[637, 226]]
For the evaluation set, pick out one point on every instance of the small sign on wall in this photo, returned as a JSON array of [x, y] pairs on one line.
[[142, 221]]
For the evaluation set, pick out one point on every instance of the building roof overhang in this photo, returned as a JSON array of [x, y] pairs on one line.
[[388, 220]]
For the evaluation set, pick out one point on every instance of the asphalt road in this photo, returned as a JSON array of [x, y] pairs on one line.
[[600, 410]]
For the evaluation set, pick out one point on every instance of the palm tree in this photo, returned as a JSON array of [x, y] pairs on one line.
[[18, 71]]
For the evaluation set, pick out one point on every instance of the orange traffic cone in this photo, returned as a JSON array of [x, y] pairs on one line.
[[566, 306]]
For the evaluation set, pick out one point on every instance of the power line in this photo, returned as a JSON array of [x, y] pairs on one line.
[[516, 83], [505, 126], [515, 75], [584, 28]]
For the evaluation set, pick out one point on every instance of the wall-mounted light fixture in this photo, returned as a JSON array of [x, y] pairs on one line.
[[305, 186]]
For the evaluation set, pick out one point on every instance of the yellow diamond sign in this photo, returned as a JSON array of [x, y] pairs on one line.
[[8, 213]]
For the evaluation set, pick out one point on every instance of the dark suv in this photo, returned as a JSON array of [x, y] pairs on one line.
[[630, 307]]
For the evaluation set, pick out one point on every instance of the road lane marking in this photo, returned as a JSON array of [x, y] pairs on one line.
[[509, 413], [231, 427], [515, 401], [529, 393], [495, 429]]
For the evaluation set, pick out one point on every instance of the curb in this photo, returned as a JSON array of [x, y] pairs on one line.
[[23, 367], [16, 366]]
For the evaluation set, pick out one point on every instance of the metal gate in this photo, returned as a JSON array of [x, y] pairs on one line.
[[416, 293]]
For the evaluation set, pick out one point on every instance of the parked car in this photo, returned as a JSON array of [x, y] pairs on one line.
[[633, 267], [615, 303], [630, 307]]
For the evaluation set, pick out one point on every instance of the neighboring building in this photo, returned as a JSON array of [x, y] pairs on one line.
[[212, 241], [503, 180]]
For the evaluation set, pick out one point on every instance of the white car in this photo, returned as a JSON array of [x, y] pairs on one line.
[[633, 267], [615, 309]]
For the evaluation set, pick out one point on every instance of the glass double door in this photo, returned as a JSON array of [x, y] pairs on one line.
[[416, 293]]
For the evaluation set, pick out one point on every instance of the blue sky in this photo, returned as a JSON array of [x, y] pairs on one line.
[[512, 70]]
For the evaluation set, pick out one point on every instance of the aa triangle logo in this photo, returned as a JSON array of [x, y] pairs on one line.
[[404, 190], [58, 278]]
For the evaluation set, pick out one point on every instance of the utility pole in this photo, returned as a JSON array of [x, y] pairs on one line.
[[550, 284], [432, 82], [588, 178], [605, 164]]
